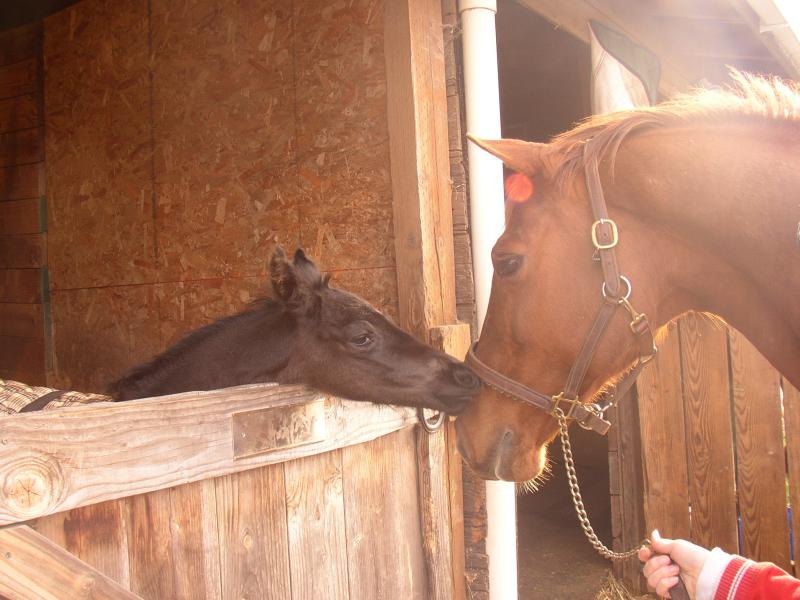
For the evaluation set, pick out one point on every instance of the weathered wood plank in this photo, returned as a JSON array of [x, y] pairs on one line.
[[21, 182], [20, 43], [97, 452], [251, 513], [195, 540], [316, 527], [152, 571], [21, 147], [455, 340], [31, 566], [20, 216], [666, 485], [709, 436], [760, 462], [22, 359], [19, 78], [417, 117], [382, 514], [97, 535], [21, 320], [21, 112], [791, 420], [22, 251], [23, 286]]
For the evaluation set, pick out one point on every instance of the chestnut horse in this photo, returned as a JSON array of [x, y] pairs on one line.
[[704, 192]]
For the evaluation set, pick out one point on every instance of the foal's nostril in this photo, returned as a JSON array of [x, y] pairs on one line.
[[465, 378]]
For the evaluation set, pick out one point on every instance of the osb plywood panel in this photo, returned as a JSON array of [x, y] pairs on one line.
[[97, 106], [100, 333], [376, 286], [20, 43], [346, 208], [188, 305], [341, 76], [224, 131], [225, 221]]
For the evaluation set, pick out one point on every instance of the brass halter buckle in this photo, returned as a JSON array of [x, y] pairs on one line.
[[558, 399], [614, 234]]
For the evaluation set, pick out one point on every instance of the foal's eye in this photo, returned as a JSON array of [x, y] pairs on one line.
[[363, 340], [507, 265]]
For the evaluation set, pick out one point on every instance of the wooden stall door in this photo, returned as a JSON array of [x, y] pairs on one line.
[[720, 440]]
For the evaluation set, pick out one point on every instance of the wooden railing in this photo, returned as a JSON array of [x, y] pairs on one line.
[[72, 457]]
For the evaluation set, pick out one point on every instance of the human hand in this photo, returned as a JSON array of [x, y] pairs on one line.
[[659, 569]]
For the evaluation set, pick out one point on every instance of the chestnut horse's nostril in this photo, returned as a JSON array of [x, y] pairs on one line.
[[464, 377]]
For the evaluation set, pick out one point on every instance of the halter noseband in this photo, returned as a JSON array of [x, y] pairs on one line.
[[605, 237]]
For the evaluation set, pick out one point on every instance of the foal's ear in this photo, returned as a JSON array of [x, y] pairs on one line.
[[296, 282], [526, 157]]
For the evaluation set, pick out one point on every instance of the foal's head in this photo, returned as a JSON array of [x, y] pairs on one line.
[[345, 347]]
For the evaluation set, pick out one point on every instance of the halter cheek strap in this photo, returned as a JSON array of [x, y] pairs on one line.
[[616, 291]]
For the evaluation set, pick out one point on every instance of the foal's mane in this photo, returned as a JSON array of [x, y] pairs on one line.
[[751, 97]]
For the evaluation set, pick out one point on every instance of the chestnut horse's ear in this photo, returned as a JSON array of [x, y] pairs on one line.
[[525, 157], [296, 283]]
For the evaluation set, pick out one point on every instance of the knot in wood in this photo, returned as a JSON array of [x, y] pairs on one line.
[[32, 486]]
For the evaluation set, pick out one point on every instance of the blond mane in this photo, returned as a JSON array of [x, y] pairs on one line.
[[750, 96]]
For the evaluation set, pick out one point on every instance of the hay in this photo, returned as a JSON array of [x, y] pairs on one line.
[[614, 589]]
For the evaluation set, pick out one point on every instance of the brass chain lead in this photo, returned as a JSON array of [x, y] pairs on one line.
[[577, 501]]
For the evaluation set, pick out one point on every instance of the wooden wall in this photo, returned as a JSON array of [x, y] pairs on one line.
[[23, 255], [185, 139]]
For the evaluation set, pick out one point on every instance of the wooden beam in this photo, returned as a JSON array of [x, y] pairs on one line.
[[31, 566], [420, 164], [23, 181], [55, 461], [27, 251], [21, 285]]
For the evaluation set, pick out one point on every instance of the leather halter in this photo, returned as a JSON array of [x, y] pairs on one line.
[[616, 291]]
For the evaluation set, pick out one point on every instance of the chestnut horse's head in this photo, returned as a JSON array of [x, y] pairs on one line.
[[545, 294]]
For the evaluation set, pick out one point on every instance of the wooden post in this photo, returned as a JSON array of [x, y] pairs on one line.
[[423, 226]]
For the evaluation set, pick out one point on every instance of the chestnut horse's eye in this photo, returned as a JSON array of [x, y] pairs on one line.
[[507, 265], [363, 341]]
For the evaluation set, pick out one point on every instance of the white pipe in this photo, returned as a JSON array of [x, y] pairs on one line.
[[488, 221]]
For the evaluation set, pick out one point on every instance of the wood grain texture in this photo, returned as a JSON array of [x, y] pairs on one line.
[[20, 43], [21, 112], [661, 418], [152, 571], [22, 181], [760, 465], [26, 251], [455, 340], [23, 286], [195, 540], [316, 527], [21, 320], [31, 566], [418, 137], [22, 359], [251, 513], [19, 78], [158, 443], [384, 540], [21, 147], [96, 534], [791, 419], [709, 436], [20, 216]]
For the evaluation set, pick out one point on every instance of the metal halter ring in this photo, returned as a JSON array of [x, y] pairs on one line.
[[430, 425], [620, 299]]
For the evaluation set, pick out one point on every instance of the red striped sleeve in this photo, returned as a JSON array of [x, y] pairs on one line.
[[746, 580]]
